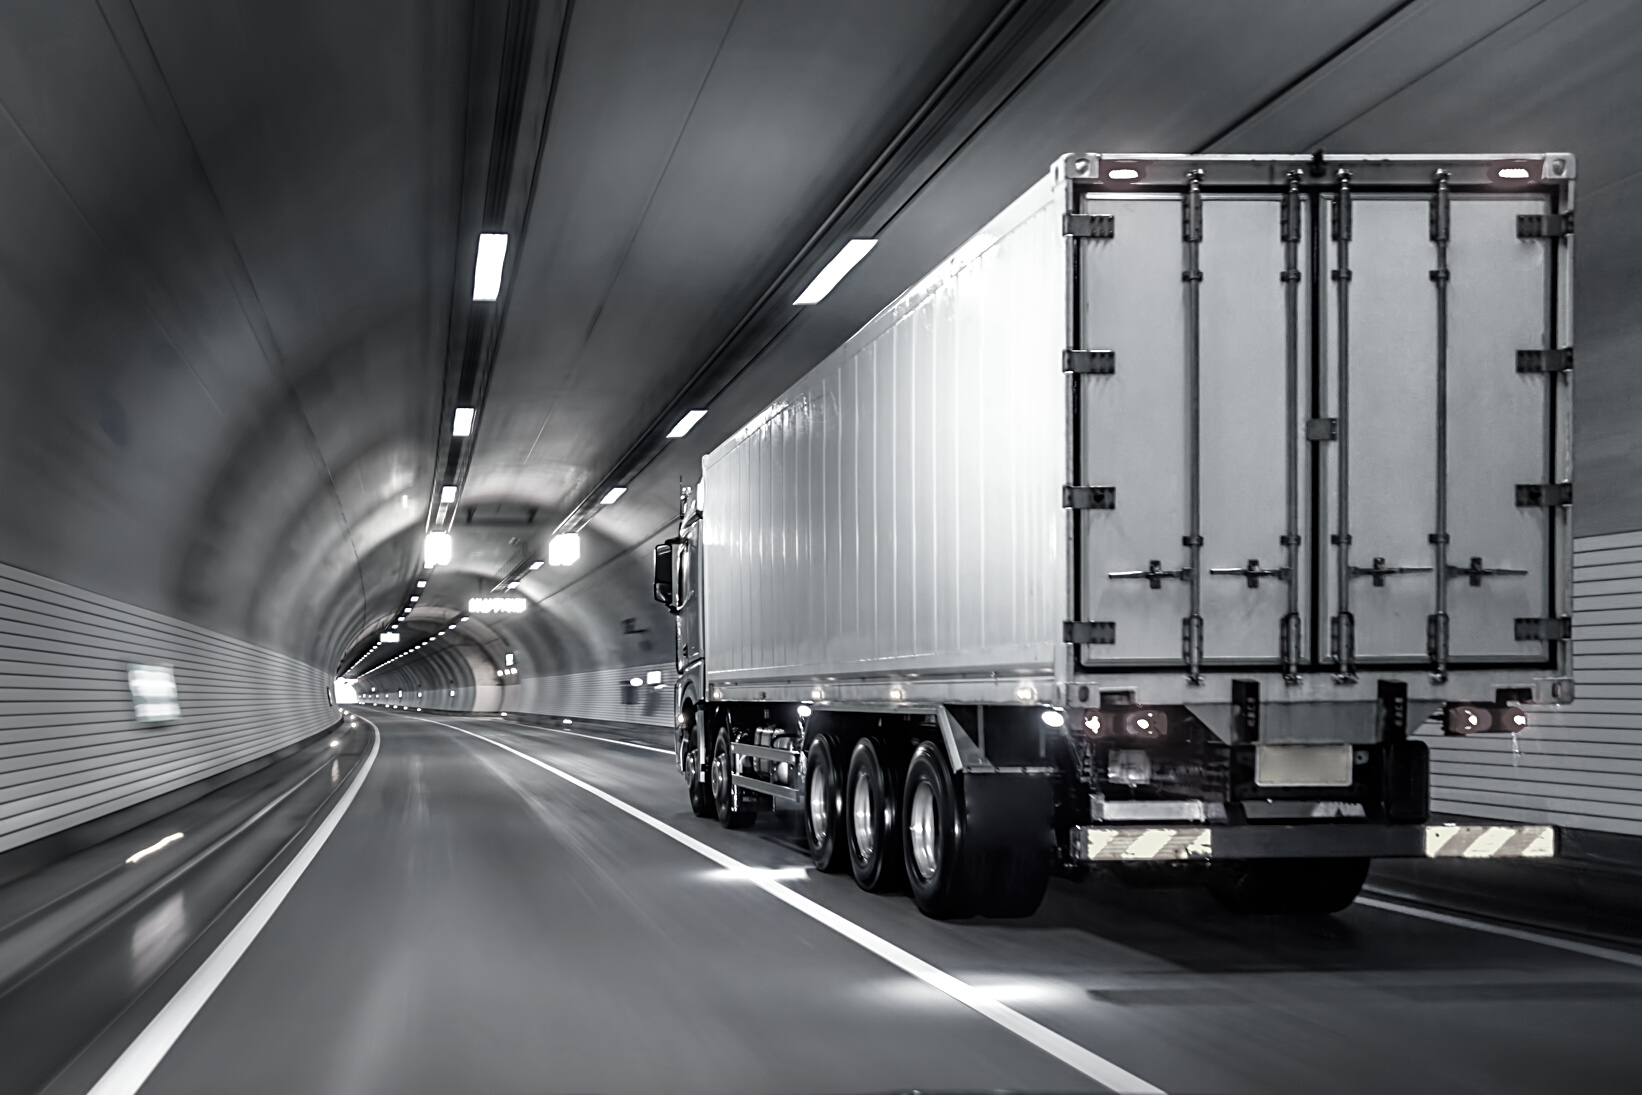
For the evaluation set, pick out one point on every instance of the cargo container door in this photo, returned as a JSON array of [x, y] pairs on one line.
[[1440, 554], [1181, 449]]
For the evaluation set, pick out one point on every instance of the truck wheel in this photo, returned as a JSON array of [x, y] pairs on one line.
[[1304, 886], [933, 842], [824, 806], [722, 798], [872, 808], [701, 795], [1016, 882]]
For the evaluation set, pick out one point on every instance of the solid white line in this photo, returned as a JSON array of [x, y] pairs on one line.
[[1588, 949], [149, 1048], [592, 737], [1068, 1052]]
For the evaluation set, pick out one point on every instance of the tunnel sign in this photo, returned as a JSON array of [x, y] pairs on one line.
[[153, 693], [490, 605]]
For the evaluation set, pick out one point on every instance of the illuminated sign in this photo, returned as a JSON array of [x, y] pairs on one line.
[[492, 605], [153, 693]]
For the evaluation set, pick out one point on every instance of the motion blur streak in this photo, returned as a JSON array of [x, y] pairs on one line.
[[1068, 1052], [144, 1054]]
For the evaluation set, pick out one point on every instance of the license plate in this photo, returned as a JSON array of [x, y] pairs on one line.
[[1302, 765]]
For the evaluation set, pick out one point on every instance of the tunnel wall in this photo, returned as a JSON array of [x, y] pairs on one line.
[[71, 749], [1579, 765], [597, 694]]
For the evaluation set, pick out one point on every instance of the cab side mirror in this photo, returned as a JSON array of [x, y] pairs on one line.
[[664, 574]]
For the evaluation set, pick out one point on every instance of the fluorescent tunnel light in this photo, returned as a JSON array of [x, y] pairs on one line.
[[611, 495], [564, 549], [686, 424], [463, 423], [833, 272], [436, 549], [487, 268], [447, 494]]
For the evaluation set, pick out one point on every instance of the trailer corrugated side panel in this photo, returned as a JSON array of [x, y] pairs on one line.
[[898, 509]]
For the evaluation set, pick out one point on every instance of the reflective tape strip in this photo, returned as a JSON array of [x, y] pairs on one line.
[[1145, 844], [1490, 841]]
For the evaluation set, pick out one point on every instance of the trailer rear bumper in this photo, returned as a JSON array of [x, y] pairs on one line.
[[1120, 844]]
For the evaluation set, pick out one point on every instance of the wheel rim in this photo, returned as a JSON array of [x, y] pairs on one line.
[[866, 836], [921, 828], [718, 773], [817, 795]]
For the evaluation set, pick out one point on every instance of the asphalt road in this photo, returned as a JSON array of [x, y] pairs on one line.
[[477, 923]]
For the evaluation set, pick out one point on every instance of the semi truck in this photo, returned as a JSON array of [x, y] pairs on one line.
[[1152, 530]]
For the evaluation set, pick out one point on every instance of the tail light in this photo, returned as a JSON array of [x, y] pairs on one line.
[[1144, 723], [1470, 718]]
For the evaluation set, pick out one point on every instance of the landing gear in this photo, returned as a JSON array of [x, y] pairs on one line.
[[873, 808], [824, 806], [1307, 886], [723, 789]]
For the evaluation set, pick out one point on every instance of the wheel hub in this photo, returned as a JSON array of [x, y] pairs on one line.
[[866, 834], [921, 831]]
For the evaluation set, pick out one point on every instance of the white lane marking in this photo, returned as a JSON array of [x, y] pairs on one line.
[[1588, 949], [523, 727], [1068, 1052], [148, 1049]]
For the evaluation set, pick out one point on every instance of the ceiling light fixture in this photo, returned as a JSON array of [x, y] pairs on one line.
[[537, 565], [487, 268], [463, 424], [833, 272], [686, 424], [564, 549], [611, 495], [447, 494], [436, 549]]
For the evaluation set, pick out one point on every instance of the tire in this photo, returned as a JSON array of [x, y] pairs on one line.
[[824, 806], [872, 816], [1311, 887], [719, 772], [701, 795], [933, 828], [1016, 882]]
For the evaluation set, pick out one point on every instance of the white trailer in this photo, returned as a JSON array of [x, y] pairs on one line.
[[1144, 529]]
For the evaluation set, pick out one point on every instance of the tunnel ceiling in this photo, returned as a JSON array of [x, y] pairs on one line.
[[237, 246]]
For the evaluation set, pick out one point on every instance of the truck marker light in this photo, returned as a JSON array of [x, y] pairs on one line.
[[1053, 718], [815, 694], [636, 682], [1123, 173], [833, 273], [1091, 721], [1464, 719], [897, 694], [805, 710], [1026, 693], [1513, 172]]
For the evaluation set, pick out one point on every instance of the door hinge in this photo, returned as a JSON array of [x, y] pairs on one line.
[[1545, 361], [1090, 226], [1546, 495], [1088, 497], [1531, 629], [1322, 429], [1545, 226], [1089, 362], [1096, 632]]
